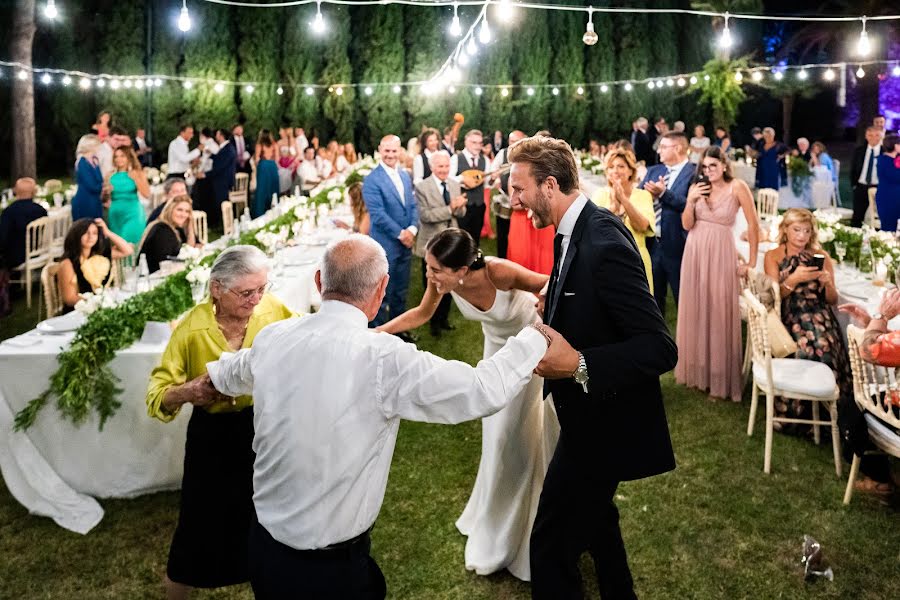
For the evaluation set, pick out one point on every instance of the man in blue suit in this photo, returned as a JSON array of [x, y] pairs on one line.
[[222, 173], [388, 194], [668, 182]]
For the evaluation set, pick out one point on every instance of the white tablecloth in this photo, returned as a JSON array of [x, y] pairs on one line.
[[55, 467]]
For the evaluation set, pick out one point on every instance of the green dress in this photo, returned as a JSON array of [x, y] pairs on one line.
[[126, 215]]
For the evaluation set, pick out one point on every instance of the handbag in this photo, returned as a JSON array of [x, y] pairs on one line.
[[780, 340]]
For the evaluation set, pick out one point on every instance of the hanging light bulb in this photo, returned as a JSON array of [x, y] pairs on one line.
[[896, 71], [628, 87], [738, 76], [128, 84], [725, 41], [706, 77], [114, 84], [455, 27], [318, 24], [184, 18], [188, 85], [863, 46], [670, 82], [484, 34], [802, 75], [427, 88], [23, 75], [396, 89], [579, 90], [693, 80], [471, 47], [590, 36], [50, 10], [139, 84], [555, 91], [451, 89], [505, 10], [157, 82], [309, 91], [659, 83], [530, 91], [828, 75], [860, 73], [463, 59], [650, 85], [681, 82], [368, 91], [85, 83], [46, 79], [149, 83], [279, 91], [66, 80], [339, 91], [504, 92], [219, 87], [249, 89], [778, 75], [101, 83], [478, 91], [604, 88], [757, 76]]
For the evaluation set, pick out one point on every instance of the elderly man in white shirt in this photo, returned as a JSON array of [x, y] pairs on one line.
[[329, 394], [180, 155]]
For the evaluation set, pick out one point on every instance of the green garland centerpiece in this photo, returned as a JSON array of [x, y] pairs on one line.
[[798, 173]]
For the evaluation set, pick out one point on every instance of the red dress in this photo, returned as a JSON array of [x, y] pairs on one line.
[[532, 248]]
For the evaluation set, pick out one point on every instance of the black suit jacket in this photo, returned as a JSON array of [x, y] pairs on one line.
[[601, 303], [643, 149], [856, 165], [222, 173]]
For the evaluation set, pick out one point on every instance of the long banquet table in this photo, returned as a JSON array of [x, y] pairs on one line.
[[55, 467]]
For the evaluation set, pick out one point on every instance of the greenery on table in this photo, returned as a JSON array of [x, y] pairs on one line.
[[799, 174]]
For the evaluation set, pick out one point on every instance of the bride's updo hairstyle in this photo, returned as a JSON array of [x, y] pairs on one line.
[[454, 248]]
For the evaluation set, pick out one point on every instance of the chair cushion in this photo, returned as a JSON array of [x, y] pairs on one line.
[[882, 435], [797, 375]]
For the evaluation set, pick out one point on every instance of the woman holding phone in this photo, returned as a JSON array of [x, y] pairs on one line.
[[805, 274]]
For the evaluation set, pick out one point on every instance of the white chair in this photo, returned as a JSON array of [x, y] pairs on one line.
[[790, 378], [753, 282], [227, 217], [60, 223], [239, 194], [52, 186], [157, 197], [872, 219], [875, 389], [37, 253], [50, 290], [201, 230], [767, 203]]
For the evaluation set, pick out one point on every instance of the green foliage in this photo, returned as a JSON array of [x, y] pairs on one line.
[[599, 65], [259, 35], [633, 61], [209, 53], [495, 67], [427, 46], [568, 112], [167, 101], [301, 66], [663, 29], [721, 91], [531, 65], [339, 110], [122, 51]]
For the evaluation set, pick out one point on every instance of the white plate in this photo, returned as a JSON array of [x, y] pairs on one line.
[[63, 324]]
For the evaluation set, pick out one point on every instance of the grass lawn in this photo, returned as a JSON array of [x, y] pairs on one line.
[[716, 527]]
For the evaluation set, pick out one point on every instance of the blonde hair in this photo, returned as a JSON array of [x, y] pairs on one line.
[[165, 218], [626, 155], [350, 153], [87, 146], [799, 215]]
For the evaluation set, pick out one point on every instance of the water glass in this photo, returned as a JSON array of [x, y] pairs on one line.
[[840, 249]]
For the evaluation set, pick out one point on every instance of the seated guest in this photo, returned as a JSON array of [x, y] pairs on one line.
[[595, 150], [309, 174], [172, 188], [336, 153], [323, 163], [164, 237], [15, 219], [723, 140], [887, 197], [350, 154], [802, 150], [209, 547], [361, 222], [88, 252], [819, 157], [87, 203]]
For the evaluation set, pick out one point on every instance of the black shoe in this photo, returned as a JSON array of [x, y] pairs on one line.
[[407, 337], [435, 330], [447, 326]]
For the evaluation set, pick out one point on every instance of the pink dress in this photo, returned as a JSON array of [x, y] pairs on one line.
[[709, 318]]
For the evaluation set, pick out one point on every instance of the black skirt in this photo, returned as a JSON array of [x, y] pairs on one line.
[[209, 548]]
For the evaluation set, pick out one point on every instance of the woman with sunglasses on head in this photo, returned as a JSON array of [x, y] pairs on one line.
[[209, 547], [709, 319]]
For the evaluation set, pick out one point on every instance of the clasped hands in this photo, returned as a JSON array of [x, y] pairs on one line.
[[407, 238], [560, 360], [198, 391]]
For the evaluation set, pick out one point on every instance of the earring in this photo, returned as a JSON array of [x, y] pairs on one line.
[[460, 282]]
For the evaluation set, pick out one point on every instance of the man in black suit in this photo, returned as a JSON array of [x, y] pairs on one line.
[[222, 173], [604, 380], [243, 149], [643, 149], [863, 174], [142, 148]]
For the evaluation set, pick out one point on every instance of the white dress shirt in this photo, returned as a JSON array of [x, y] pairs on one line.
[[240, 147], [567, 225], [498, 160], [394, 174], [872, 153], [675, 171], [141, 143], [419, 165], [105, 159], [309, 173], [470, 159], [180, 156], [210, 149], [302, 144], [328, 396]]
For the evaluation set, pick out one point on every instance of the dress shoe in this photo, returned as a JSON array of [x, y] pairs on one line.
[[435, 330], [447, 326]]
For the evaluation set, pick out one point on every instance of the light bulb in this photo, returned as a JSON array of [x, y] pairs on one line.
[[484, 34], [478, 91], [128, 84], [139, 84], [504, 92], [23, 75], [579, 90], [318, 24], [604, 88], [219, 87], [85, 83], [309, 91], [339, 91], [555, 91], [863, 46], [455, 27], [149, 83], [860, 73], [368, 91], [778, 75], [896, 71], [279, 91], [706, 77], [802, 75], [427, 88], [628, 87], [451, 89], [50, 10], [249, 89], [650, 85], [681, 82], [693, 80], [530, 91], [505, 10], [471, 47], [670, 82], [757, 76], [188, 85], [828, 75], [114, 84], [184, 19], [396, 89], [101, 83], [738, 76], [659, 83], [157, 82], [725, 40], [590, 37], [46, 79], [66, 80]]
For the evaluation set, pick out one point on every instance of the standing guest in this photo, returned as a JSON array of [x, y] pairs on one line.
[[631, 204], [309, 173], [709, 319], [202, 191], [126, 214], [699, 143], [757, 142], [172, 188], [613, 346], [222, 174], [88, 251], [498, 142], [448, 143], [361, 222], [289, 160], [350, 154], [142, 148], [880, 123], [430, 143], [388, 194], [678, 127], [863, 174], [87, 203], [117, 137], [769, 161], [802, 150], [640, 141], [887, 197], [300, 141], [163, 238], [266, 156], [440, 201], [660, 128], [14, 221], [209, 547], [317, 497], [101, 126], [471, 158], [180, 156], [668, 183], [340, 162], [502, 209], [723, 140], [242, 148]]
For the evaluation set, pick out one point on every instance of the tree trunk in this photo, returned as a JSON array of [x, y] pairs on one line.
[[787, 110], [23, 154]]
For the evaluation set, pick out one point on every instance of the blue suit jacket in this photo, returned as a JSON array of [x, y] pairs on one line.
[[388, 213], [222, 172], [673, 235]]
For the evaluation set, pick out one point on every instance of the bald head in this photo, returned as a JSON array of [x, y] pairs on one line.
[[389, 149], [515, 136], [24, 188], [354, 270]]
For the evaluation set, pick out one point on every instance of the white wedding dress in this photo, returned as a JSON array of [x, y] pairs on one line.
[[517, 444]]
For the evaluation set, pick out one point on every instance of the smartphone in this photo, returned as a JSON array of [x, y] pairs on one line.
[[703, 179], [819, 261]]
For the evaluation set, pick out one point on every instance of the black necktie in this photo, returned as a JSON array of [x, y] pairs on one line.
[[554, 275], [446, 192], [871, 158]]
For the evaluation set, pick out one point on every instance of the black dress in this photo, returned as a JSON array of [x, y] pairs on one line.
[[161, 243], [84, 287]]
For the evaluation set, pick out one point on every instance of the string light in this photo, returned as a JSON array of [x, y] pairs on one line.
[[650, 85], [860, 73], [249, 89], [139, 84], [101, 83], [114, 84], [757, 76], [128, 83], [579, 90], [863, 46], [451, 90], [778, 75], [309, 91], [802, 75], [484, 34], [504, 92], [368, 91], [659, 83], [219, 87], [318, 24], [505, 11], [46, 79], [530, 91], [23, 75], [628, 87], [706, 77], [463, 59], [397, 89], [184, 18], [157, 82], [828, 75], [188, 85], [50, 10], [339, 91], [670, 82], [693, 80], [555, 91], [471, 47], [681, 82], [604, 88], [725, 41], [280, 91], [590, 37], [896, 71], [478, 91], [738, 76], [66, 80], [85, 83], [455, 27]]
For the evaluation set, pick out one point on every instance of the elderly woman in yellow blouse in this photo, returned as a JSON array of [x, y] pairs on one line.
[[209, 548], [634, 206]]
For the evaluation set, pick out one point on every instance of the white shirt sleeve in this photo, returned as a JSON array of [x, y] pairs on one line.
[[418, 169], [454, 167], [420, 386], [231, 374]]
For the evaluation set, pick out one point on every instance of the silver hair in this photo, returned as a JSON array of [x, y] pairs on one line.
[[642, 122], [353, 267], [435, 154], [768, 130], [237, 261], [171, 181], [87, 146]]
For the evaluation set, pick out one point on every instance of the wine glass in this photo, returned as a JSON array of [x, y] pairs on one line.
[[840, 249]]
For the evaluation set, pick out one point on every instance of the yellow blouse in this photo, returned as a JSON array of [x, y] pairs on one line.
[[198, 340], [643, 202]]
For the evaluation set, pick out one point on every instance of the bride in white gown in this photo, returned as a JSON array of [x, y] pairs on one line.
[[517, 443]]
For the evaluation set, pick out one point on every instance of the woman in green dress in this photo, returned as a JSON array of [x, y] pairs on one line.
[[126, 214]]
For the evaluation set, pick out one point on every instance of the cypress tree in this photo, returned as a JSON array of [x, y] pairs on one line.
[[695, 51], [531, 64], [633, 59], [301, 68], [599, 66], [495, 69], [664, 50], [168, 103], [427, 46], [568, 110], [122, 52], [259, 52], [339, 109]]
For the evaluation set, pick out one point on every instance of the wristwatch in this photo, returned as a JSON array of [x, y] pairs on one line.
[[581, 373], [878, 317]]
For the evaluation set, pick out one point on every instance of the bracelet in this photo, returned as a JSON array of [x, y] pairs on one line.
[[789, 288], [542, 332]]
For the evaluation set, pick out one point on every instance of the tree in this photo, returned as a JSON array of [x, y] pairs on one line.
[[496, 69], [167, 57], [747, 7], [789, 89], [301, 70], [568, 111], [663, 29], [721, 91], [603, 118], [338, 108], [23, 148], [259, 52], [633, 60], [531, 65], [123, 52]]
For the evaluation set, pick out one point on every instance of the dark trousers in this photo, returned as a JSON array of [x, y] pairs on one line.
[[473, 221], [860, 203], [666, 274], [278, 572], [576, 513], [502, 236], [442, 313], [394, 303]]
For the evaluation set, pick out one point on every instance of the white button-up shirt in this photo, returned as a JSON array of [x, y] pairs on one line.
[[567, 225], [468, 159], [395, 179], [328, 396], [674, 171], [180, 156], [105, 158], [872, 153]]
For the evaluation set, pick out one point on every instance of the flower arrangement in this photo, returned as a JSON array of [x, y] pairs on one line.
[[91, 302], [799, 174]]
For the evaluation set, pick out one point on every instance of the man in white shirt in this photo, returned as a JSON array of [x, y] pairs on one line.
[[117, 137], [309, 172], [300, 141], [180, 155], [242, 149], [471, 158], [329, 394], [863, 174]]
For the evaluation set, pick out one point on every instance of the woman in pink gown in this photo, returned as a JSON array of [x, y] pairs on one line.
[[709, 319]]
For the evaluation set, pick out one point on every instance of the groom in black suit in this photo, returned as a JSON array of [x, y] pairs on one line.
[[605, 384]]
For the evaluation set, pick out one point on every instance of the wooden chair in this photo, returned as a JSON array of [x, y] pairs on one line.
[[240, 193], [227, 217], [37, 253], [877, 392], [50, 290], [767, 203], [790, 378], [60, 223], [201, 230]]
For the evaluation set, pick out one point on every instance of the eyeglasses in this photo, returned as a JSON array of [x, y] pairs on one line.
[[249, 294], [711, 167]]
